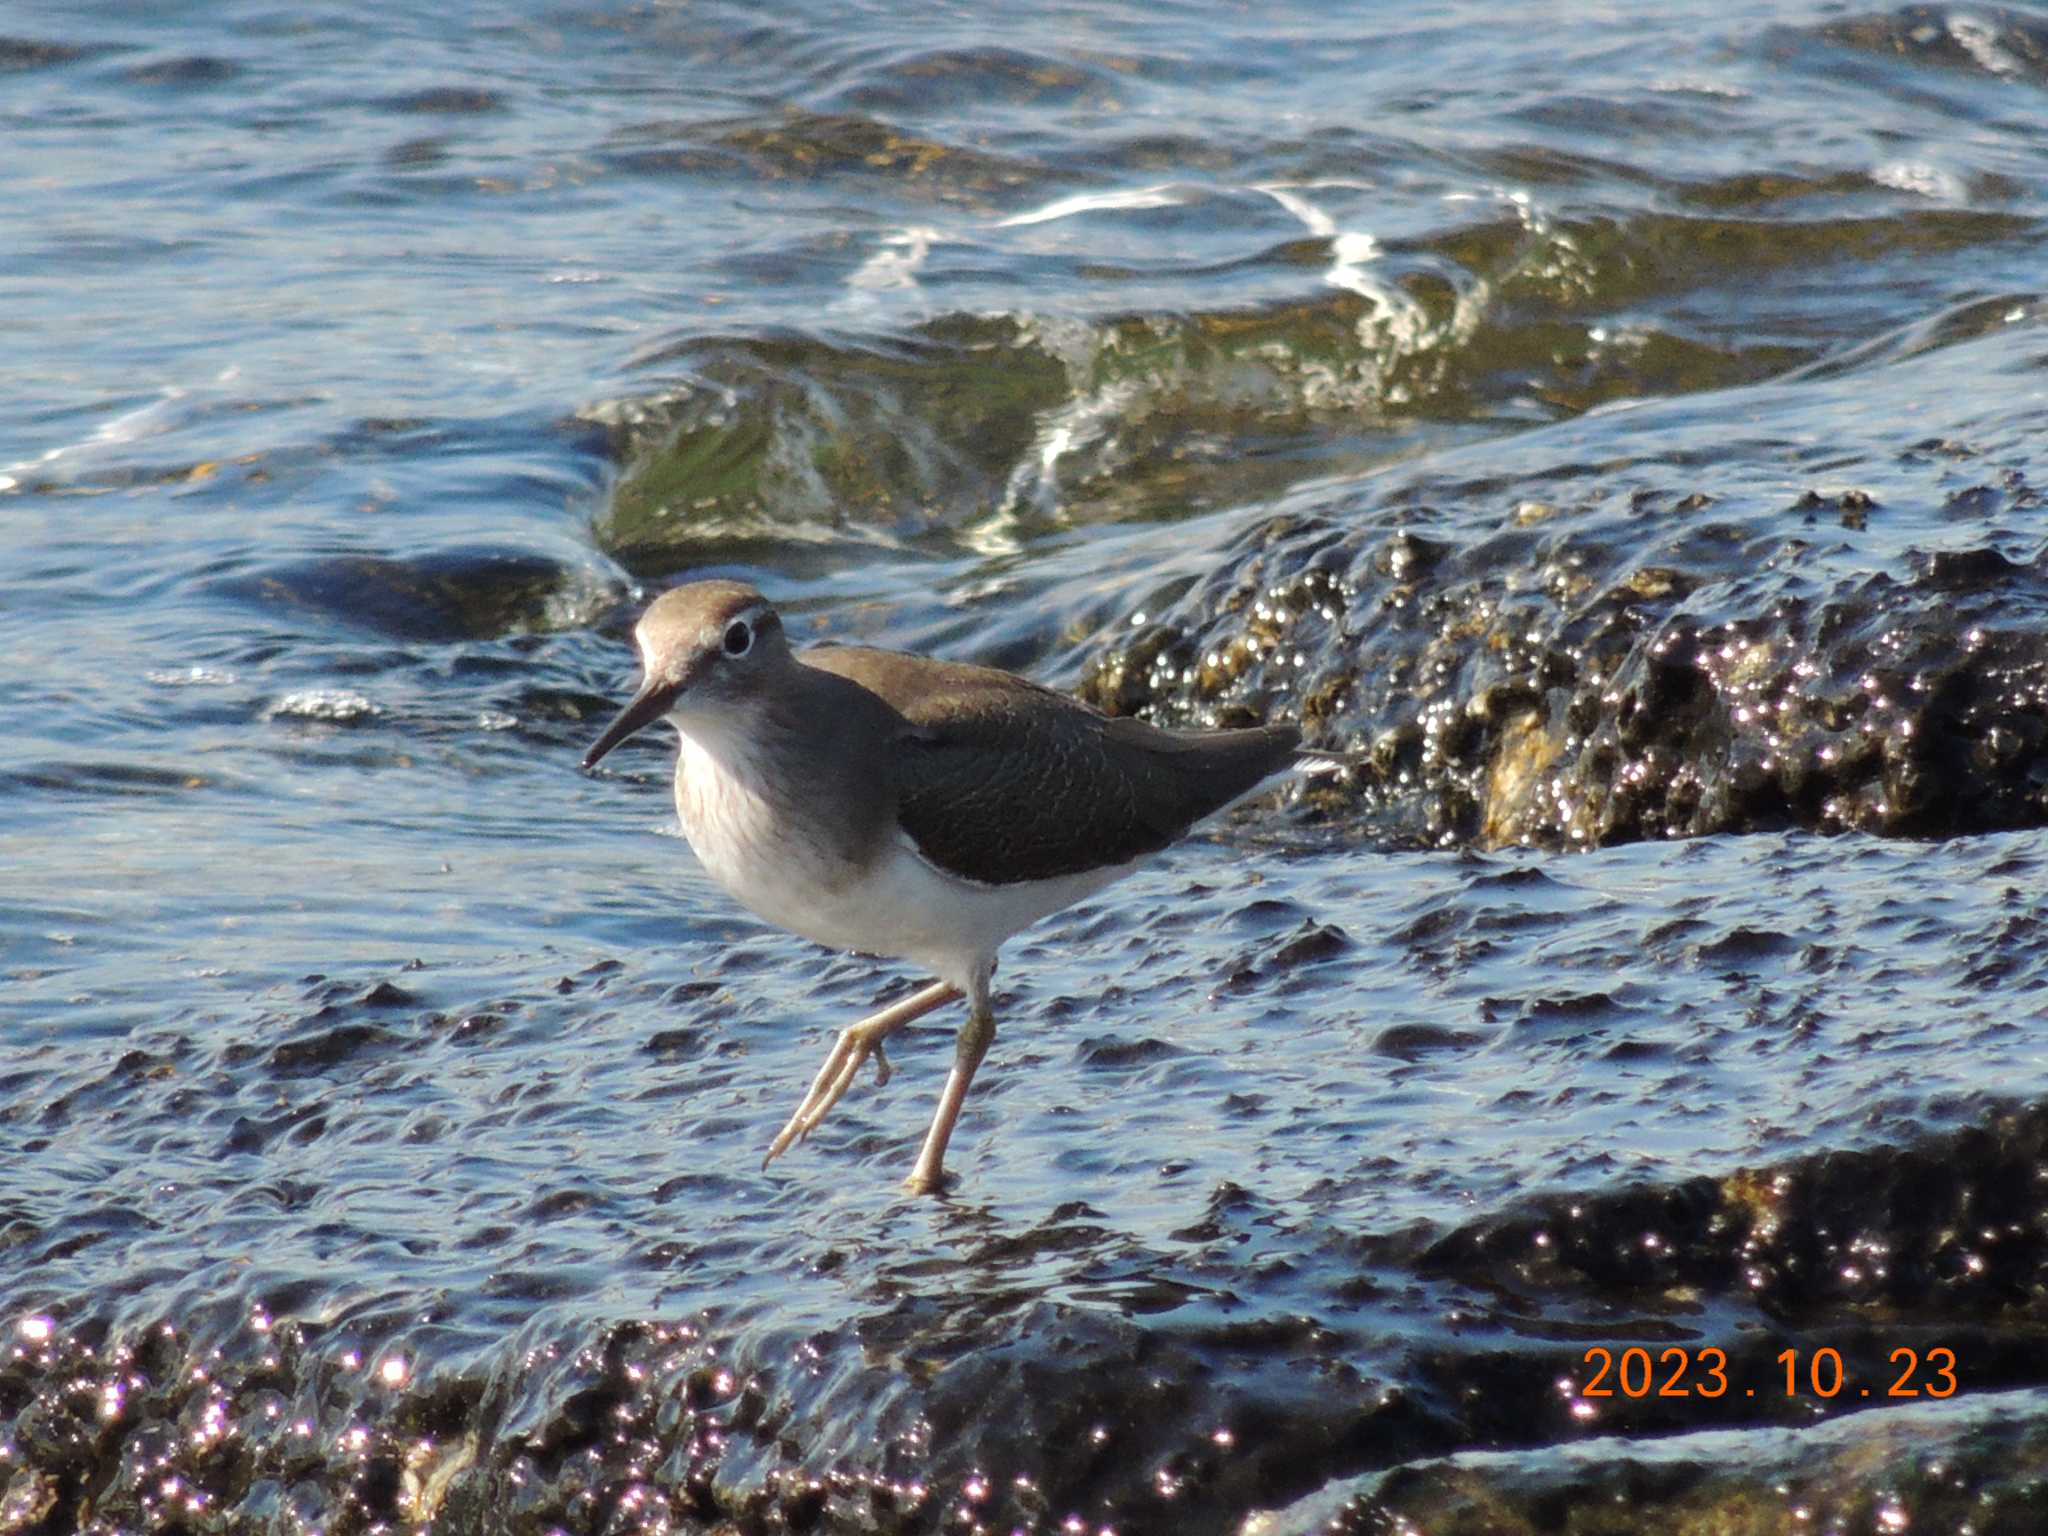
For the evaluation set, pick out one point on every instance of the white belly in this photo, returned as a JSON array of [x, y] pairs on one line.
[[891, 903]]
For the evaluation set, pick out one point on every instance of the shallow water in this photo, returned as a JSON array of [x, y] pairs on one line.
[[365, 374]]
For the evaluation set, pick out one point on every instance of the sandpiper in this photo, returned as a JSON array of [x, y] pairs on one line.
[[901, 806]]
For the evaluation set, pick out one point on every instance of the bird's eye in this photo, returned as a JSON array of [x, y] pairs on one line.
[[739, 639]]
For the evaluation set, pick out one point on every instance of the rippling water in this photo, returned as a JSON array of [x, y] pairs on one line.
[[382, 1100]]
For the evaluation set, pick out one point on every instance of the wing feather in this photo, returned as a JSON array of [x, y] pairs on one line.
[[999, 780]]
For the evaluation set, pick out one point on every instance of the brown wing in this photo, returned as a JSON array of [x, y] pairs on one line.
[[1000, 780]]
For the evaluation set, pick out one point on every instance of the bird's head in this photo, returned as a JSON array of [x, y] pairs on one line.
[[704, 650]]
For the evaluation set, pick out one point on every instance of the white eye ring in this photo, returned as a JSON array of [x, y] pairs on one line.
[[739, 638]]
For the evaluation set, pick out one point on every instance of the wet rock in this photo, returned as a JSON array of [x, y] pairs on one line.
[[1310, 944], [1414, 1042], [1202, 1399], [1979, 1471], [1622, 668], [445, 595], [323, 1048], [27, 1500], [771, 434]]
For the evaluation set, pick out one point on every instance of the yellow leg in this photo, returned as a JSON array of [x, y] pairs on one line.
[[856, 1043], [972, 1045]]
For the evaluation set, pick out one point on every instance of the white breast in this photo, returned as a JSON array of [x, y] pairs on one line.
[[892, 903]]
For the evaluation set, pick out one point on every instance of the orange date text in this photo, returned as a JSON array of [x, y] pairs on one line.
[[1703, 1371]]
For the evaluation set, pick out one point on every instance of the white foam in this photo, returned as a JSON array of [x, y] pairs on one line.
[[151, 420], [897, 264], [1353, 252], [1920, 177], [341, 706], [1979, 39], [1164, 195]]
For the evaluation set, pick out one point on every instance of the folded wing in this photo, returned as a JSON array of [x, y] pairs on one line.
[[1000, 780]]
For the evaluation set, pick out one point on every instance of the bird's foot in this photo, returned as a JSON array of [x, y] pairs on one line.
[[856, 1043], [922, 1182]]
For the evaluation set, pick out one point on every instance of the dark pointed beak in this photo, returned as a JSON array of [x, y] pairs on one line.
[[643, 709]]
